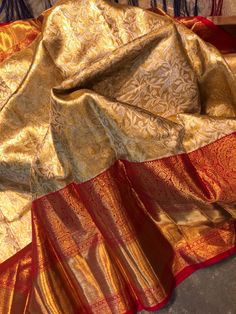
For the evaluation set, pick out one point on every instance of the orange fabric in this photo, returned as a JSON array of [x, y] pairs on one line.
[[105, 245], [18, 35]]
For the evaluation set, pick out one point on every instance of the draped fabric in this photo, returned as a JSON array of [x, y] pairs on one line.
[[11, 10], [117, 160], [211, 33]]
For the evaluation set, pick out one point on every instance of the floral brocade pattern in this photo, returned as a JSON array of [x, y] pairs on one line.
[[105, 146]]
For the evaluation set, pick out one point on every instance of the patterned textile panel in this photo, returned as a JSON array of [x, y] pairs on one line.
[[117, 161]]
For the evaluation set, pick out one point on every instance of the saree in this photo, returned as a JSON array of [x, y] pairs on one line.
[[117, 161], [11, 10]]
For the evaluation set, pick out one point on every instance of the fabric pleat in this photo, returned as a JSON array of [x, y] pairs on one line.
[[117, 159]]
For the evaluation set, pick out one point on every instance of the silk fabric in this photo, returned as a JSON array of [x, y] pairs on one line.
[[117, 161]]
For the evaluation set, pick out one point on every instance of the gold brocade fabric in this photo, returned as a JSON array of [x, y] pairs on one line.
[[117, 147], [231, 60]]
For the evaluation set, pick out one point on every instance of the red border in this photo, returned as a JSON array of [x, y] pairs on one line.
[[182, 154], [12, 263], [210, 24], [6, 24], [220, 38], [180, 277], [16, 258]]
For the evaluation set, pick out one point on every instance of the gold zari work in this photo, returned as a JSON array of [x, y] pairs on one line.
[[132, 117]]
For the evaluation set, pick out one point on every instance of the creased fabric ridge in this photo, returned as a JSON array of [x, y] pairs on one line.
[[113, 115]]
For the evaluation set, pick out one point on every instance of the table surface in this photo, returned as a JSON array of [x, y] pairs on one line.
[[223, 20]]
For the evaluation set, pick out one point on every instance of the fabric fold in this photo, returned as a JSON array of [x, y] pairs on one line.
[[117, 148]]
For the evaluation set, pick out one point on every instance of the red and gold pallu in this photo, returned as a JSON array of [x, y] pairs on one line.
[[117, 161]]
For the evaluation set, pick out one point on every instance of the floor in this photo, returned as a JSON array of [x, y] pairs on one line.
[[208, 291]]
